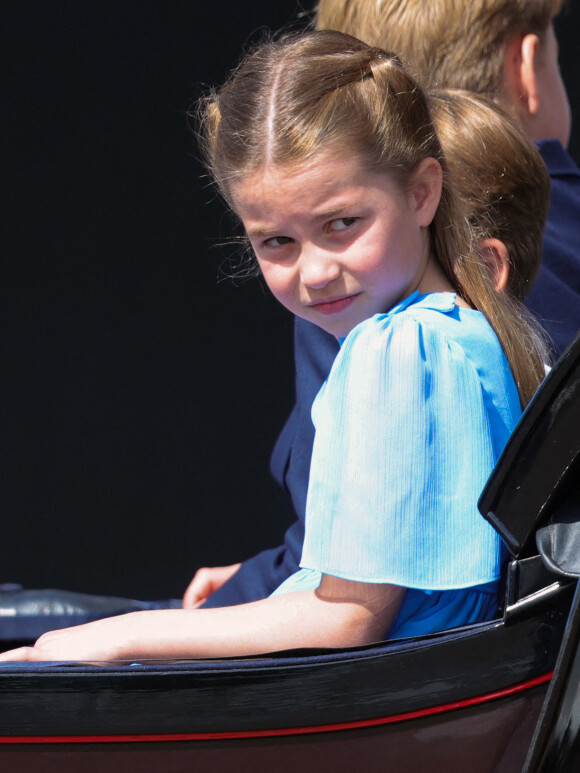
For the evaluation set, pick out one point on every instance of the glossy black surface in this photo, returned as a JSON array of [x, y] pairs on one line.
[[484, 739], [542, 452], [555, 745]]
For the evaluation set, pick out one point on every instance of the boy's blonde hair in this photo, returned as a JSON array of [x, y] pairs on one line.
[[500, 176], [445, 43], [301, 95]]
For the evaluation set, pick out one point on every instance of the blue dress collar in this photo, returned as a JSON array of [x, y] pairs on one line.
[[443, 302]]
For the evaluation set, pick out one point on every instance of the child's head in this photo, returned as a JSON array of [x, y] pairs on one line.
[[501, 179], [298, 98], [468, 44], [326, 101], [299, 95]]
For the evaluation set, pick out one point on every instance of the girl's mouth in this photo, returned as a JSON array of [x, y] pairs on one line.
[[334, 306]]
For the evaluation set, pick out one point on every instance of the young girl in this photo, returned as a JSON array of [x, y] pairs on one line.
[[325, 149], [501, 180]]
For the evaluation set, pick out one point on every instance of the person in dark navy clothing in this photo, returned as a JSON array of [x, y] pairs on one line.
[[257, 577], [555, 297]]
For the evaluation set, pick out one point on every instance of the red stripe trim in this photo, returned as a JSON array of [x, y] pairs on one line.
[[284, 731]]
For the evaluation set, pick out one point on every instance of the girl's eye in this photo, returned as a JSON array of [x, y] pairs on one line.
[[342, 223], [277, 241]]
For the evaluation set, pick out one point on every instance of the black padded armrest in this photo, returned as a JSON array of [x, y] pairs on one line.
[[538, 458]]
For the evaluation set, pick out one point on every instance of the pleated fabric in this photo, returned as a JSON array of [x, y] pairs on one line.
[[416, 410]]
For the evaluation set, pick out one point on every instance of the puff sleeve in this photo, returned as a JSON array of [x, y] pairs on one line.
[[403, 448]]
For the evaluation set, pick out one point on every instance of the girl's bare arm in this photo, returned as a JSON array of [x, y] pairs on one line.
[[339, 613]]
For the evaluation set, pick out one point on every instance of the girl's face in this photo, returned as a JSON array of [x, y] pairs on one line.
[[337, 244]]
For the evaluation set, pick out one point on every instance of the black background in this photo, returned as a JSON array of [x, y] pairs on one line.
[[139, 395]]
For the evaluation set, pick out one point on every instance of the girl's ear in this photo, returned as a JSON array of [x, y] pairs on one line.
[[495, 257], [426, 183]]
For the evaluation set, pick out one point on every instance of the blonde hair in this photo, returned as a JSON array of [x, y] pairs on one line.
[[299, 95], [499, 175], [445, 43]]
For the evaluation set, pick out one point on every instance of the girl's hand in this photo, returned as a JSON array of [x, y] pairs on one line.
[[205, 582], [101, 640]]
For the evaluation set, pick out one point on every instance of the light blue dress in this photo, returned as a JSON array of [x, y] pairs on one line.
[[418, 406]]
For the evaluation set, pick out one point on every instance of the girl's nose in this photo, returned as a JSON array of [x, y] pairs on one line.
[[318, 268]]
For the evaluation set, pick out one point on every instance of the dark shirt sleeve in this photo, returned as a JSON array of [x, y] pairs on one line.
[[555, 296], [314, 353]]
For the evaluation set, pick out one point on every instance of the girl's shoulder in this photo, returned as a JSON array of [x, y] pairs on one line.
[[434, 321], [426, 334]]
